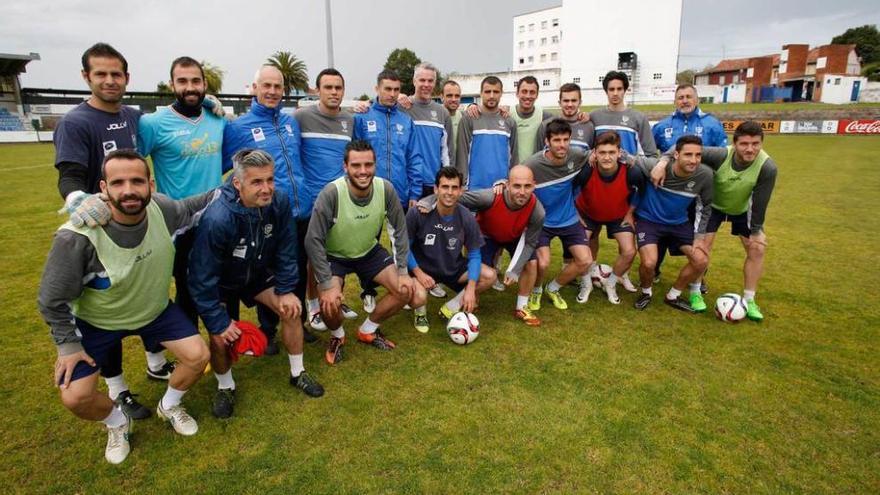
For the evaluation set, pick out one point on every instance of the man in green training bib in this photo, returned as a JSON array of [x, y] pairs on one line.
[[744, 179], [103, 284], [343, 238]]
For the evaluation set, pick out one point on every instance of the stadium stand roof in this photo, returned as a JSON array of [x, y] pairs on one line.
[[12, 64]]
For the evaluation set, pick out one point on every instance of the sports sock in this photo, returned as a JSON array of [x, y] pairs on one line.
[[115, 386], [673, 293], [538, 290], [115, 419], [225, 380], [421, 310], [521, 301], [455, 303], [338, 332], [695, 288], [172, 397], [553, 286], [749, 295], [313, 305], [648, 290], [612, 279], [368, 326], [586, 279], [296, 364], [155, 360]]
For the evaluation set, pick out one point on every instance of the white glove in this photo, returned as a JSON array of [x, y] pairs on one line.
[[213, 104], [86, 209]]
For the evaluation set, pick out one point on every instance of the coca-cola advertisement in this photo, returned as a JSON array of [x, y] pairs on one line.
[[858, 127]]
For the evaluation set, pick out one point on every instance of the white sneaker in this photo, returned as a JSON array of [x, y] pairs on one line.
[[610, 291], [180, 420], [369, 301], [347, 312], [584, 293], [499, 285], [627, 283], [437, 291], [118, 445], [316, 323]]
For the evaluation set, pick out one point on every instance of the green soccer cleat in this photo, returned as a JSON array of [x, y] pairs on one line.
[[753, 312], [697, 303], [556, 299], [535, 301], [420, 321], [445, 312]]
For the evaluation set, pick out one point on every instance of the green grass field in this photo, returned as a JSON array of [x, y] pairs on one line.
[[601, 399]]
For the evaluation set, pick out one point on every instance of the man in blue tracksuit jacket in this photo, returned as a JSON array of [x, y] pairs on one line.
[[688, 119], [266, 128], [392, 135], [245, 248]]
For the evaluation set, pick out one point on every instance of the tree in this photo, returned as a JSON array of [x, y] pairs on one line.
[[403, 61], [213, 77], [163, 87], [363, 97], [293, 69], [872, 71], [867, 41], [685, 77]]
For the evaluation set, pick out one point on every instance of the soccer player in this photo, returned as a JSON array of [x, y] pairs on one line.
[[451, 97], [744, 179], [267, 128], [631, 125], [394, 139], [342, 239], [662, 216], [582, 130], [437, 238], [184, 142], [555, 170], [433, 127], [487, 145], [103, 284], [607, 198], [528, 117], [246, 247]]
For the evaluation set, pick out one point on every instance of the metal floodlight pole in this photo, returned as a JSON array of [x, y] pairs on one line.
[[329, 33]]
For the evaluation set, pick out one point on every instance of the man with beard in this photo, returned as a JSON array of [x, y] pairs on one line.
[[103, 284], [582, 129], [486, 146], [184, 142], [451, 97]]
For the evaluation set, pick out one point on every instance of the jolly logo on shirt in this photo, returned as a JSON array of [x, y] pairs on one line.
[[444, 228], [108, 146], [371, 126], [117, 126], [257, 133]]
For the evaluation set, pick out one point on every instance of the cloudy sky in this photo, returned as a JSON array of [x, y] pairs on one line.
[[457, 35]]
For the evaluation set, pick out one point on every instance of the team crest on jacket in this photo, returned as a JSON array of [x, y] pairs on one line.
[[501, 123], [371, 126], [570, 165], [667, 132], [344, 125], [257, 133], [289, 129], [267, 230], [433, 114], [699, 130], [399, 128], [691, 184], [624, 119], [580, 133]]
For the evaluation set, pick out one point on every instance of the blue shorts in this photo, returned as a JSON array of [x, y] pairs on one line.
[[366, 267], [171, 324], [570, 235], [611, 228], [261, 281], [739, 224], [491, 247], [673, 236], [453, 282]]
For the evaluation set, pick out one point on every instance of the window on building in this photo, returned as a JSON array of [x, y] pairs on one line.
[[521, 61], [543, 41], [7, 84], [543, 24], [531, 59], [837, 81], [658, 75], [522, 44], [750, 72], [543, 57], [721, 80], [576, 80], [522, 28], [546, 82], [555, 22], [531, 43], [601, 78], [554, 56], [554, 39], [531, 27]]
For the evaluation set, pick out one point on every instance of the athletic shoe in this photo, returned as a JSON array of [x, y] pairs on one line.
[[627, 283], [535, 301], [377, 340], [421, 323], [118, 445], [333, 354], [679, 304], [347, 312], [130, 406], [369, 301], [499, 285], [224, 403], [584, 293], [556, 299], [180, 420], [445, 312], [317, 323], [307, 384], [163, 373], [753, 312], [643, 301], [611, 292], [308, 337], [697, 303], [527, 317], [272, 347], [437, 291]]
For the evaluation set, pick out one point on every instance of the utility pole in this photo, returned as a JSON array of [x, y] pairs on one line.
[[329, 33]]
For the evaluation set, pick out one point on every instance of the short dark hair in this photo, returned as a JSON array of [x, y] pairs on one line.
[[612, 75], [357, 145], [557, 126], [186, 62], [449, 173], [528, 80], [748, 128], [387, 74], [685, 86], [568, 88], [490, 80], [689, 139], [104, 50], [330, 71], [450, 81], [123, 154], [607, 137]]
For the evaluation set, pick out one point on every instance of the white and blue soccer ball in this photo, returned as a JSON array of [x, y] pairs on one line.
[[463, 328], [730, 307]]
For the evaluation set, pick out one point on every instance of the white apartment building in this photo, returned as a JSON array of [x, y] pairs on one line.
[[537, 40]]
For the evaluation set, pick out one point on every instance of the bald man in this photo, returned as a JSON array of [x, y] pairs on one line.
[[511, 220]]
